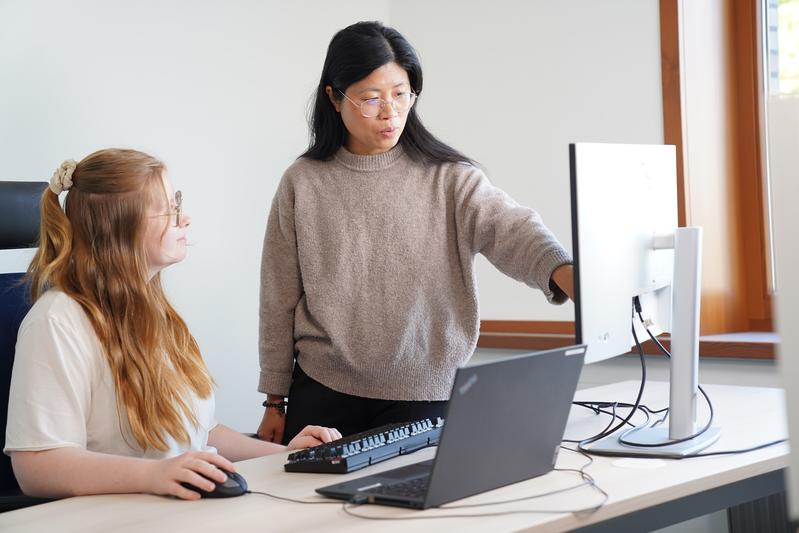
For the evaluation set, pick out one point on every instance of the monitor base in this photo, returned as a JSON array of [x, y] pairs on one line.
[[611, 445]]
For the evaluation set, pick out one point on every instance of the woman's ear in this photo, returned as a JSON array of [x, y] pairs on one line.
[[336, 103]]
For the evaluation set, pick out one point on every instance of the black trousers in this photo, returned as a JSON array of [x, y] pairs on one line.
[[311, 403]]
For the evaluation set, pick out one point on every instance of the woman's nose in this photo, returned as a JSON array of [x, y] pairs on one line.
[[388, 110], [185, 220]]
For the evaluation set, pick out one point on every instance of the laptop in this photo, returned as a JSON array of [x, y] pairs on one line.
[[504, 424]]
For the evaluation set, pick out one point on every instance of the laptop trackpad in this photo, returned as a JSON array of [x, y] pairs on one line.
[[406, 472]]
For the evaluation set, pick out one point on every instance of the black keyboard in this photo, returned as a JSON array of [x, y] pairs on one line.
[[363, 449], [414, 488]]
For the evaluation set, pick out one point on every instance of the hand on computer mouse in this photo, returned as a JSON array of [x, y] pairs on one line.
[[313, 436], [201, 470], [234, 485]]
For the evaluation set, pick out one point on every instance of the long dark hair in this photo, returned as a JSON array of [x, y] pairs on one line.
[[353, 54]]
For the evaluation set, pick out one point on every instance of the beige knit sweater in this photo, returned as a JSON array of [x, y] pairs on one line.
[[368, 276]]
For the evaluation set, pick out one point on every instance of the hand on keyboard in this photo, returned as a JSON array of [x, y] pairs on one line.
[[313, 436], [369, 447]]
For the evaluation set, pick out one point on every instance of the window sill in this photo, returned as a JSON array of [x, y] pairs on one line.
[[526, 335]]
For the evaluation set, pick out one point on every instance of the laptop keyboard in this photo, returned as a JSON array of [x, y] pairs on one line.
[[363, 449], [413, 488]]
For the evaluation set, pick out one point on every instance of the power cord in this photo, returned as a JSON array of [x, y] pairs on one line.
[[604, 433], [710, 406], [588, 480], [708, 425], [360, 499], [598, 407]]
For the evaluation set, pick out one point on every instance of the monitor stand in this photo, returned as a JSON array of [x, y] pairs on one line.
[[684, 364], [611, 445]]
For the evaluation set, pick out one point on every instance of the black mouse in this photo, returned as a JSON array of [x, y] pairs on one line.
[[234, 485]]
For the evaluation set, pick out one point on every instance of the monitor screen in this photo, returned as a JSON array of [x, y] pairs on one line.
[[624, 197], [627, 247]]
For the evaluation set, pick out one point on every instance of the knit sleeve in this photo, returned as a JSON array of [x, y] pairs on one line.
[[512, 237], [281, 289]]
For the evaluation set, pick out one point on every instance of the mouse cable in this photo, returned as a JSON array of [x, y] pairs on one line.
[[588, 480], [283, 498]]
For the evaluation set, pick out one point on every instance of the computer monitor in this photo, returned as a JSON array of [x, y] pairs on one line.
[[783, 163], [626, 244]]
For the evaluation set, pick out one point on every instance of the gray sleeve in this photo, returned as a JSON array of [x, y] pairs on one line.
[[281, 289], [512, 237]]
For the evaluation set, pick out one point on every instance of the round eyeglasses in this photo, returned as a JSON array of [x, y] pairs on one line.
[[372, 107], [177, 210]]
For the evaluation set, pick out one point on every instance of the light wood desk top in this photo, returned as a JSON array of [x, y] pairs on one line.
[[747, 416]]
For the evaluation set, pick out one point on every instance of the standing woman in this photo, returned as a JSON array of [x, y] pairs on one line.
[[368, 291], [109, 392]]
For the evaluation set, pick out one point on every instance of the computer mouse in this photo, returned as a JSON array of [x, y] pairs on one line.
[[234, 485]]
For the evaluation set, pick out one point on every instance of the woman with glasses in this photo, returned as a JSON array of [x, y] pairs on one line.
[[109, 392], [368, 293]]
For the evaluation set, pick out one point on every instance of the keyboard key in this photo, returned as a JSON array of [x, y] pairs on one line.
[[357, 451]]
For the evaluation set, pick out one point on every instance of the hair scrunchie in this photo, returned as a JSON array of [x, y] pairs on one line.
[[62, 177]]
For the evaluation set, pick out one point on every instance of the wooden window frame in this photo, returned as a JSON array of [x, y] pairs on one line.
[[743, 301]]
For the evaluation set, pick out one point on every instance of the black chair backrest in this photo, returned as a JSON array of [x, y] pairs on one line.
[[19, 213], [19, 228]]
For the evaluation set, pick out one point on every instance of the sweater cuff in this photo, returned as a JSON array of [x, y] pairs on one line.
[[551, 261], [274, 383]]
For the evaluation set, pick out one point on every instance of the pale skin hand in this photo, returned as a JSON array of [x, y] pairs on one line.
[[239, 447], [199, 469], [563, 276], [64, 472]]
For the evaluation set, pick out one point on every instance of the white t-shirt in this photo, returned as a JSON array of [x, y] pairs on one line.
[[63, 394]]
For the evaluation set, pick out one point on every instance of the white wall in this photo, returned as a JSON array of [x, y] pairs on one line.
[[219, 90], [512, 83]]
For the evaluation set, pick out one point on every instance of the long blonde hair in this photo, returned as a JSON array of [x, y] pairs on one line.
[[93, 250]]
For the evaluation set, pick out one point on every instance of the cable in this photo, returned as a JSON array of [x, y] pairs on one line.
[[613, 417], [588, 480], [645, 409], [606, 432], [742, 450], [669, 442], [291, 499], [710, 421], [597, 410]]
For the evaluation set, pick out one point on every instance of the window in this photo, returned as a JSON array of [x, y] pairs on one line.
[[780, 60]]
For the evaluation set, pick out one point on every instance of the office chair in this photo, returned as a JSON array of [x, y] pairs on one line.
[[19, 228]]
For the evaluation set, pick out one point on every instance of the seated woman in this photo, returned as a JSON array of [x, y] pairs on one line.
[[109, 392]]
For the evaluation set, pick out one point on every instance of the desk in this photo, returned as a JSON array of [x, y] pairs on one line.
[[644, 494]]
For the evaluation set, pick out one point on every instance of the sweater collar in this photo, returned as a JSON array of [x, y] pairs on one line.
[[368, 163]]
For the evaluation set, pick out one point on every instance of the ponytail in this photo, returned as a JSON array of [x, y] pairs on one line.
[[50, 264], [92, 250]]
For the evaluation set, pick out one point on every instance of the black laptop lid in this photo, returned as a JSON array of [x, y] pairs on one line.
[[505, 421]]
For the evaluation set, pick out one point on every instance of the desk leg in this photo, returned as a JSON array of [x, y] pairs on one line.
[[764, 515]]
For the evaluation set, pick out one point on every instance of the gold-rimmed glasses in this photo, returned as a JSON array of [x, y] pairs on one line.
[[372, 107], [177, 210]]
